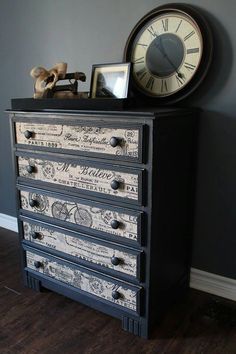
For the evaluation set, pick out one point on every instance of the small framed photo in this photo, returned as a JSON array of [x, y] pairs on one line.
[[110, 80]]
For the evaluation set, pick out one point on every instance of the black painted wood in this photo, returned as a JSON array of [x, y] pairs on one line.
[[165, 204]]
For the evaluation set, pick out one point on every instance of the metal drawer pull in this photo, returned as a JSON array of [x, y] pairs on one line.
[[114, 141], [28, 134], [36, 235], [115, 184], [38, 264], [30, 169], [115, 224], [33, 203], [115, 260], [115, 294]]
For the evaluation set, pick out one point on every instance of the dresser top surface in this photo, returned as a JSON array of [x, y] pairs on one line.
[[135, 113]]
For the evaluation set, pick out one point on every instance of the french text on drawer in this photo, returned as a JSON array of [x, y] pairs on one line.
[[82, 138], [94, 179]]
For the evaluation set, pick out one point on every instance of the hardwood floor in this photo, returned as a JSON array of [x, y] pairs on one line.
[[48, 323]]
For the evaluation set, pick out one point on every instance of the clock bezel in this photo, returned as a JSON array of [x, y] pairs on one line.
[[204, 65]]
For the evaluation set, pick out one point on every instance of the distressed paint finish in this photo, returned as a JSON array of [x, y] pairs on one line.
[[80, 138], [81, 177], [86, 250], [84, 281], [82, 214]]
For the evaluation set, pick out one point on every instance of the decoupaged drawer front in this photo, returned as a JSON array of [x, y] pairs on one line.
[[124, 142], [108, 255], [89, 216], [104, 180], [103, 287]]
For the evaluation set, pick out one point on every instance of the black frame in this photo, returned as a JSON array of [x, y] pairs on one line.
[[93, 86]]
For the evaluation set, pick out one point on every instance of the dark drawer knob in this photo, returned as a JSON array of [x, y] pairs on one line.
[[28, 134], [30, 169], [35, 235], [115, 260], [114, 141], [115, 184], [38, 264], [115, 294], [33, 203], [115, 224]]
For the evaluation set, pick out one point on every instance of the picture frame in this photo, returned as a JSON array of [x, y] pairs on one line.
[[110, 81]]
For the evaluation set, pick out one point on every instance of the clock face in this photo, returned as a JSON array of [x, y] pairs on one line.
[[167, 49]]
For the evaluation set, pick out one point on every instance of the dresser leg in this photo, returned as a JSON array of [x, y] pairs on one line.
[[135, 326], [32, 283]]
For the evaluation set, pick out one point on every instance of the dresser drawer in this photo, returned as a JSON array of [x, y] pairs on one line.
[[89, 249], [123, 294], [108, 181], [122, 142], [88, 216]]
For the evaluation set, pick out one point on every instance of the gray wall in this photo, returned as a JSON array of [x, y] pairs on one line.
[[83, 33]]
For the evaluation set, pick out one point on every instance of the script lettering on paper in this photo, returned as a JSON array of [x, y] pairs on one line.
[[80, 138], [80, 176]]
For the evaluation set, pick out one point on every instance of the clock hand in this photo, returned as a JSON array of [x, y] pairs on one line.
[[162, 50]]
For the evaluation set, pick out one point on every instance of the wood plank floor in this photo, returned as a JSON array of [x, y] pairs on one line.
[[48, 323]]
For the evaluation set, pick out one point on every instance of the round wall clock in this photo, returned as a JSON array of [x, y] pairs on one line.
[[170, 50]]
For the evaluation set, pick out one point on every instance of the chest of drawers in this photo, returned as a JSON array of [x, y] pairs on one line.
[[104, 202]]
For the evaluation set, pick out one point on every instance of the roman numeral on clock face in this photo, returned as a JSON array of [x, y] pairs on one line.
[[190, 67], [164, 86], [180, 80], [192, 50], [165, 24], [141, 73], [178, 26], [189, 35], [139, 60], [152, 31], [142, 45], [149, 84]]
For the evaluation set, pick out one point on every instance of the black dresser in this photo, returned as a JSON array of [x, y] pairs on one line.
[[105, 207]]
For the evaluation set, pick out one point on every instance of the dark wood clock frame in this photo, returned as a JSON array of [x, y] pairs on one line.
[[204, 66]]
